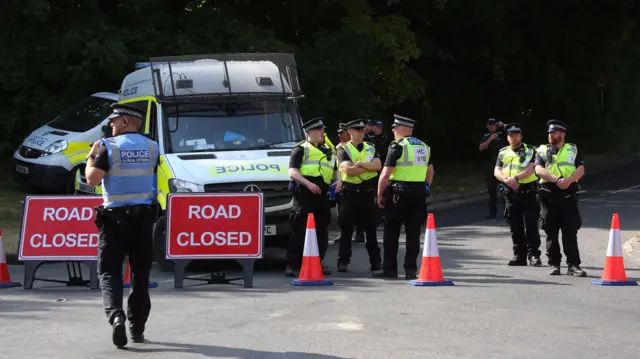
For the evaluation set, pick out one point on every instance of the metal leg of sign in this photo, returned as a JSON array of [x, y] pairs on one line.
[[74, 271], [215, 277]]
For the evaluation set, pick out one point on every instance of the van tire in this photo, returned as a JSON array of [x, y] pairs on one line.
[[159, 244]]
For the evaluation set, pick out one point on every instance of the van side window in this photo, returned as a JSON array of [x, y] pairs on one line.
[[153, 125]]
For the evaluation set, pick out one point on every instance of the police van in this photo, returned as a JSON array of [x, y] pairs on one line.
[[50, 156], [224, 123]]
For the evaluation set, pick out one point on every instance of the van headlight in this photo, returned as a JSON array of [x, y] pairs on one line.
[[55, 147], [178, 185]]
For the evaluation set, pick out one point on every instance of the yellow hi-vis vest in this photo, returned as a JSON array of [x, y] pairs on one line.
[[512, 163], [366, 155], [412, 165], [328, 143], [315, 163], [561, 164]]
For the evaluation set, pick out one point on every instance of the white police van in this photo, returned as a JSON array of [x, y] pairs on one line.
[[50, 156], [224, 123]]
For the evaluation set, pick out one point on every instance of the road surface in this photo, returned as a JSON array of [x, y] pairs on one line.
[[493, 311]]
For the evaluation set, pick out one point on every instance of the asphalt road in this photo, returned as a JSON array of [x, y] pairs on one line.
[[493, 311]]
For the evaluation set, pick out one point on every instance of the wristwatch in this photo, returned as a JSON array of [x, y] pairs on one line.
[[515, 177]]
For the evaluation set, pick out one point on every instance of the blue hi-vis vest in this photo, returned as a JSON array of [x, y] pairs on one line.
[[131, 179]]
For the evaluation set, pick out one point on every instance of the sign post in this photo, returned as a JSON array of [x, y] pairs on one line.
[[60, 229], [215, 226]]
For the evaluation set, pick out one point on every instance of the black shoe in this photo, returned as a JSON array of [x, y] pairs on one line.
[[555, 270], [337, 240], [535, 261], [376, 271], [119, 334], [517, 261], [290, 272], [391, 274], [137, 336], [359, 238], [342, 268], [576, 271], [326, 270], [410, 274]]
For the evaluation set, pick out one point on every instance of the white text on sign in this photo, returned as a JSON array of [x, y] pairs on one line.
[[63, 214], [209, 239], [79, 240], [231, 211]]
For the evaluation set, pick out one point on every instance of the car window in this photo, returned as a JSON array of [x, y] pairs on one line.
[[84, 115], [237, 126]]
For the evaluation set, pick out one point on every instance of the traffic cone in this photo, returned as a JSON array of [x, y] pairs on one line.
[[5, 278], [311, 271], [614, 273], [127, 278], [430, 269]]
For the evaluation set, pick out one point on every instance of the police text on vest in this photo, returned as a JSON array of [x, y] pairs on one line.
[[135, 156]]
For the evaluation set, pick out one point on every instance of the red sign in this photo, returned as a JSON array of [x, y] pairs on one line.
[[215, 225], [59, 228]]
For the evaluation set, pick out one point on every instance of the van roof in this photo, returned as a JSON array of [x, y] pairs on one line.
[[205, 76], [107, 95]]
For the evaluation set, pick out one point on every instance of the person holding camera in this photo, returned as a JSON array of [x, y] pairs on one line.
[[560, 166], [490, 144]]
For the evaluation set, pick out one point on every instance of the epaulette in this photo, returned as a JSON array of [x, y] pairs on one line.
[[503, 149]]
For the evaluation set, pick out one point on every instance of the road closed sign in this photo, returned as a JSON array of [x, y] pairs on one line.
[[215, 225], [59, 228]]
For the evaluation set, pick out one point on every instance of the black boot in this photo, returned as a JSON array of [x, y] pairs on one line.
[[517, 261], [119, 334], [555, 270], [535, 261], [576, 271]]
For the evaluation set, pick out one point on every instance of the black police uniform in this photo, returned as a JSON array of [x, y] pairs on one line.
[[559, 210], [305, 202], [404, 203], [359, 209], [341, 128], [491, 155], [125, 230], [521, 210]]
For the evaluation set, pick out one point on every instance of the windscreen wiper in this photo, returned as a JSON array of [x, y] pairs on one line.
[[265, 146]]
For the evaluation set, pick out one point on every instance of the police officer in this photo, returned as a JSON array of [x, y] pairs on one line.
[[560, 166], [126, 164], [359, 164], [343, 137], [490, 144], [406, 169], [515, 168], [380, 139], [312, 166]]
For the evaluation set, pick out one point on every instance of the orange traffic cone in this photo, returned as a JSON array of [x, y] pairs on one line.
[[5, 279], [614, 273], [431, 270], [311, 271], [127, 278]]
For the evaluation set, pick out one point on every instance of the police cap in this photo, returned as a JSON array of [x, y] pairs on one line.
[[341, 127], [125, 110], [513, 128], [356, 124], [402, 121], [313, 124], [491, 121], [377, 123], [555, 125]]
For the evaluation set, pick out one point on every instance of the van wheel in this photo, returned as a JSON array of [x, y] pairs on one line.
[[159, 244]]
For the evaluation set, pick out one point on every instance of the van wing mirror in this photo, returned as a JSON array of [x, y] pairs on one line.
[[107, 131]]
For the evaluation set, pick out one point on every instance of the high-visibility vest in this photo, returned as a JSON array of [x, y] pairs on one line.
[[131, 179], [562, 164], [366, 155], [412, 165], [513, 163], [315, 162], [328, 143]]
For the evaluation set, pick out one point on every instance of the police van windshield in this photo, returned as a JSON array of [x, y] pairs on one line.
[[84, 115], [232, 126]]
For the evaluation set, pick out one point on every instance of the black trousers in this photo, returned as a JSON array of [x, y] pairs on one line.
[[358, 209], [559, 212], [305, 202], [408, 209], [521, 213], [126, 231]]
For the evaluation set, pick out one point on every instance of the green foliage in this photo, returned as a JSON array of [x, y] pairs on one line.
[[449, 63]]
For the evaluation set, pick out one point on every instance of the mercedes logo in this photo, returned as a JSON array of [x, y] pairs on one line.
[[252, 188]]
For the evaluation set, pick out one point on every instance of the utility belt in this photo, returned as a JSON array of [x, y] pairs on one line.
[[413, 188], [120, 213], [553, 189], [295, 187], [357, 188], [525, 188]]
